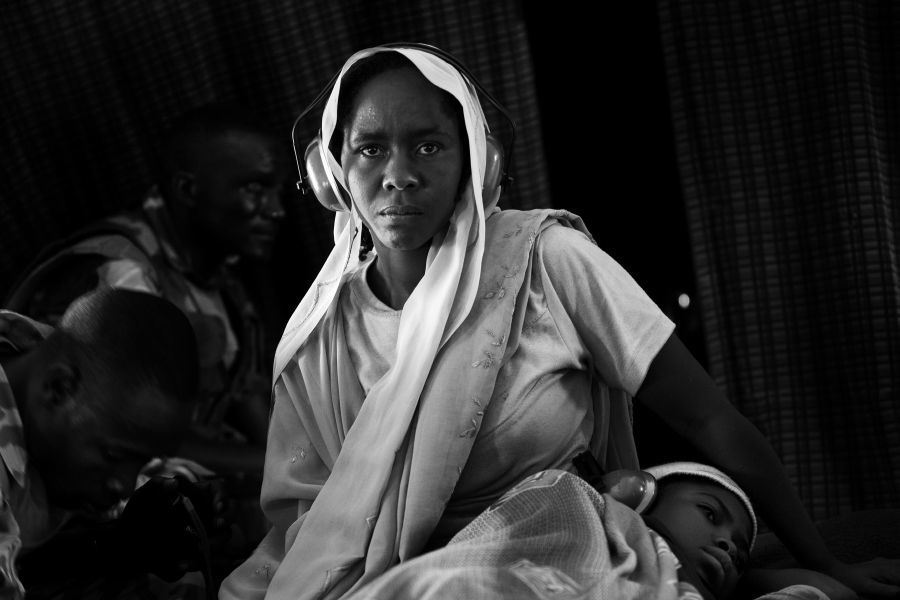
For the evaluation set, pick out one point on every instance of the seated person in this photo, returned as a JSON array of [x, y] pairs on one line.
[[475, 346], [218, 203], [554, 535], [84, 407]]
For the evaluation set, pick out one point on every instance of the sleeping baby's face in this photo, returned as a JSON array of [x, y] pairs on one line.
[[711, 526]]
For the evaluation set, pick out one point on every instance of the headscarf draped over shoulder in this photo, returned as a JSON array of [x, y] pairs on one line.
[[366, 480], [445, 294]]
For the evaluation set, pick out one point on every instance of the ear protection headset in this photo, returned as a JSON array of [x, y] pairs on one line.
[[312, 170], [633, 488]]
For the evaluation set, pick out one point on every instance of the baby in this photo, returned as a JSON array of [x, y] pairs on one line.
[[707, 520], [557, 535]]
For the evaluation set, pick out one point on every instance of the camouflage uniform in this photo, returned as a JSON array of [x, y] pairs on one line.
[[26, 521], [140, 251]]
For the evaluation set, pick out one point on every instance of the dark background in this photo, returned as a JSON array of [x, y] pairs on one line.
[[611, 159], [608, 137]]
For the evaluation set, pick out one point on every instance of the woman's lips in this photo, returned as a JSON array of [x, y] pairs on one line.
[[400, 211]]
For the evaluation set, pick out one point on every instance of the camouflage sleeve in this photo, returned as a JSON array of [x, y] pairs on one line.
[[51, 295], [127, 274], [50, 285], [10, 586], [20, 331]]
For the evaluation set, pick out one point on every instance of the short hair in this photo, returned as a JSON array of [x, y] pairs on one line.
[[131, 340], [199, 125]]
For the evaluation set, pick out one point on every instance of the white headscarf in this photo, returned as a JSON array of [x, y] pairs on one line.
[[444, 296], [436, 308]]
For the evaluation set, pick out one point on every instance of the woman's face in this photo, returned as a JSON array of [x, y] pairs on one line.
[[402, 155]]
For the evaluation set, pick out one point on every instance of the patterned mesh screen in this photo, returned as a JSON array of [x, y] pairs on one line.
[[786, 124]]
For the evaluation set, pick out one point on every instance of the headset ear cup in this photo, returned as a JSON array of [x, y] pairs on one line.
[[318, 180], [493, 169]]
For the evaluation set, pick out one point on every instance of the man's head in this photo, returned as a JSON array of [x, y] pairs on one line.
[[224, 175], [108, 390], [708, 519]]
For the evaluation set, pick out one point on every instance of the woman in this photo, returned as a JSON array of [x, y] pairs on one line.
[[473, 347]]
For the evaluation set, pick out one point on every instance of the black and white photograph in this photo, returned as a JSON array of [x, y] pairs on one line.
[[449, 300]]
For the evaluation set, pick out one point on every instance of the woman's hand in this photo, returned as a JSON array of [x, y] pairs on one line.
[[876, 578]]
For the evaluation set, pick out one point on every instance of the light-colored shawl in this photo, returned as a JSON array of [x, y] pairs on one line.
[[365, 535], [443, 297], [552, 536]]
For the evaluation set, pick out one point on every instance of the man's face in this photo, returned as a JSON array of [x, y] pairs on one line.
[[89, 461], [239, 180], [711, 526]]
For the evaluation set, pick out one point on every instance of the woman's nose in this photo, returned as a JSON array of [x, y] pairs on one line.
[[399, 173]]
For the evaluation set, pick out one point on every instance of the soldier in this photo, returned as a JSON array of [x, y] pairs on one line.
[[218, 201], [83, 408]]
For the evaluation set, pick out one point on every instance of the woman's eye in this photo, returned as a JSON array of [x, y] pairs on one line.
[[370, 151], [428, 148]]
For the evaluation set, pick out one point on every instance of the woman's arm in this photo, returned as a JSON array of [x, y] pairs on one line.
[[679, 390]]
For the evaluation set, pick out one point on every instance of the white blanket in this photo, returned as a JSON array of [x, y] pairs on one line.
[[550, 537]]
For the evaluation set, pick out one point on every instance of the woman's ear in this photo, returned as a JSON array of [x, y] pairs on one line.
[[61, 382]]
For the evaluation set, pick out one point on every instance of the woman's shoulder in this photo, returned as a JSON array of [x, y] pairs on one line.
[[538, 218], [546, 227], [558, 240]]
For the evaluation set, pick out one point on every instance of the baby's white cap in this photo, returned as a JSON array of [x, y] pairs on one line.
[[694, 469]]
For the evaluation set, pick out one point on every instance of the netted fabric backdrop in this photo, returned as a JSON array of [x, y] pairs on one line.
[[88, 88], [786, 125]]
